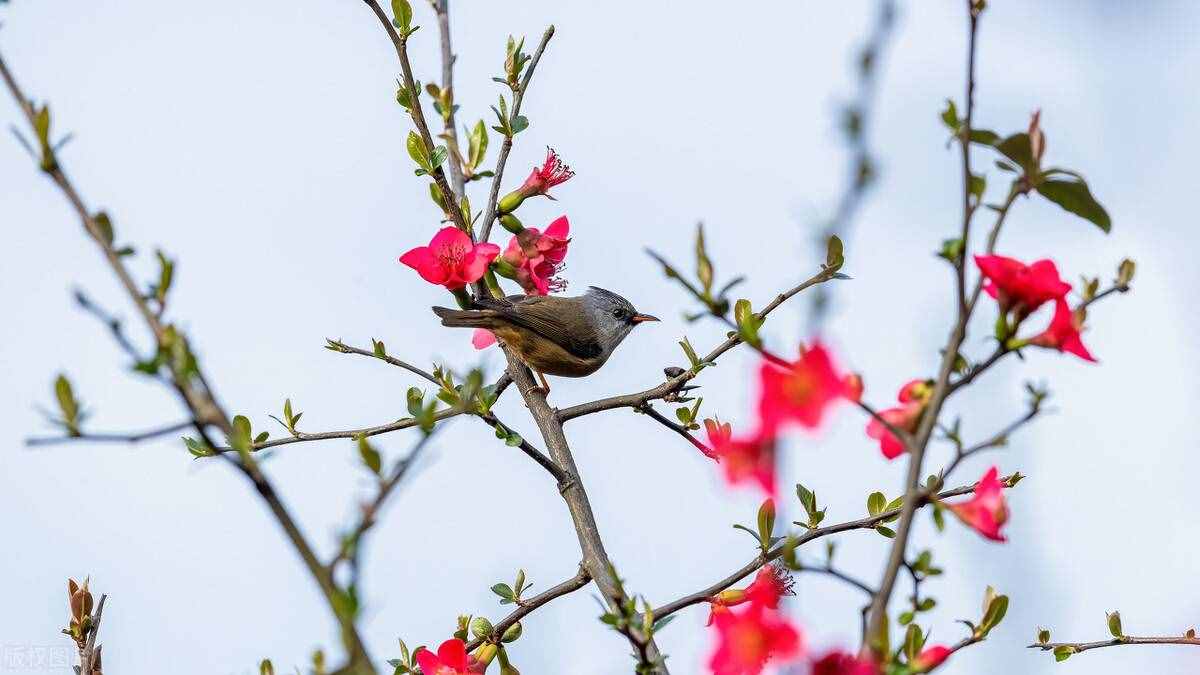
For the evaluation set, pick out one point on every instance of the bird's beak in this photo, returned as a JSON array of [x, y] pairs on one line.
[[639, 318]]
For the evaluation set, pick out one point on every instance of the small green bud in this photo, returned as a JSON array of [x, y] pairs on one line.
[[513, 633]]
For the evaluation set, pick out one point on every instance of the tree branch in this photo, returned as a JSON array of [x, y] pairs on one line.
[[134, 437], [527, 607], [193, 389], [674, 384], [418, 115], [1077, 647], [442, 7], [489, 215], [796, 541]]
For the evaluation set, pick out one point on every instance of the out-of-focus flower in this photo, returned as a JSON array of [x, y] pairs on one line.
[[750, 459], [913, 397], [1063, 333], [538, 256], [843, 663], [930, 658], [748, 638], [987, 511], [451, 259], [552, 172], [854, 387], [801, 391], [1018, 286]]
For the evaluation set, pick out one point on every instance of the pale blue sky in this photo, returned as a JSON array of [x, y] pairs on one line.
[[260, 144]]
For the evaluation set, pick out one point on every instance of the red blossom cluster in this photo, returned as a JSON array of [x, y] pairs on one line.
[[1020, 290], [749, 637]]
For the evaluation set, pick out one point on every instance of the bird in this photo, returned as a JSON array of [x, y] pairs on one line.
[[554, 335]]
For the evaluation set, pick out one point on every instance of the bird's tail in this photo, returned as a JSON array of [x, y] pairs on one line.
[[459, 318]]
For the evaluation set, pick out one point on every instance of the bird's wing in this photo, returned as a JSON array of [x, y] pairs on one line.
[[554, 318]]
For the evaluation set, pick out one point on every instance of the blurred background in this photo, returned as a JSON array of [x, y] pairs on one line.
[[260, 144]]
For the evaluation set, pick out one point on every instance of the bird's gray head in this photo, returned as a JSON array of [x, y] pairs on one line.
[[612, 316]]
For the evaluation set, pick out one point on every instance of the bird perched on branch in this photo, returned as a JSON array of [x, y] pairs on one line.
[[554, 335]]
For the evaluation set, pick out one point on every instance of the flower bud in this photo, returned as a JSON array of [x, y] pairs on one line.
[[483, 656], [511, 223], [854, 386], [481, 627], [513, 633]]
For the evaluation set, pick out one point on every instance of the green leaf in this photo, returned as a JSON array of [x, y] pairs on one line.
[[104, 224], [996, 610], [1074, 196], [748, 322], [265, 667], [1043, 636], [704, 266], [885, 531], [766, 521], [403, 15], [67, 405], [417, 150], [439, 156], [1017, 148], [477, 147], [950, 116], [370, 456], [876, 503], [415, 399], [241, 440], [505, 592], [519, 123], [1114, 624], [1063, 653], [834, 257]]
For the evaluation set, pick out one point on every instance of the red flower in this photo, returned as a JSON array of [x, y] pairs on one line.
[[841, 663], [930, 658], [552, 172], [986, 511], [451, 659], [451, 259], [801, 391], [719, 434], [913, 397], [1015, 284], [538, 256], [749, 638], [1063, 333], [770, 584], [747, 459]]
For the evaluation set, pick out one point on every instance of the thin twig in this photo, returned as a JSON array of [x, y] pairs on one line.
[[489, 215], [1117, 642], [442, 7], [343, 348], [134, 437], [677, 428], [417, 114], [673, 385], [913, 494], [527, 607], [196, 394], [799, 540]]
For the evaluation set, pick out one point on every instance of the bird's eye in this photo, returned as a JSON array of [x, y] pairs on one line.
[[618, 313]]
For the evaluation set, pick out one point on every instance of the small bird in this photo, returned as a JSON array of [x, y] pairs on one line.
[[554, 335]]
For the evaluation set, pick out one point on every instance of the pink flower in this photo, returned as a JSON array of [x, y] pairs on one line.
[[801, 391], [482, 338], [930, 658], [842, 663], [451, 259], [552, 172], [913, 397], [986, 511], [1015, 284], [747, 639], [538, 256], [750, 459], [451, 659], [770, 584], [1063, 333]]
